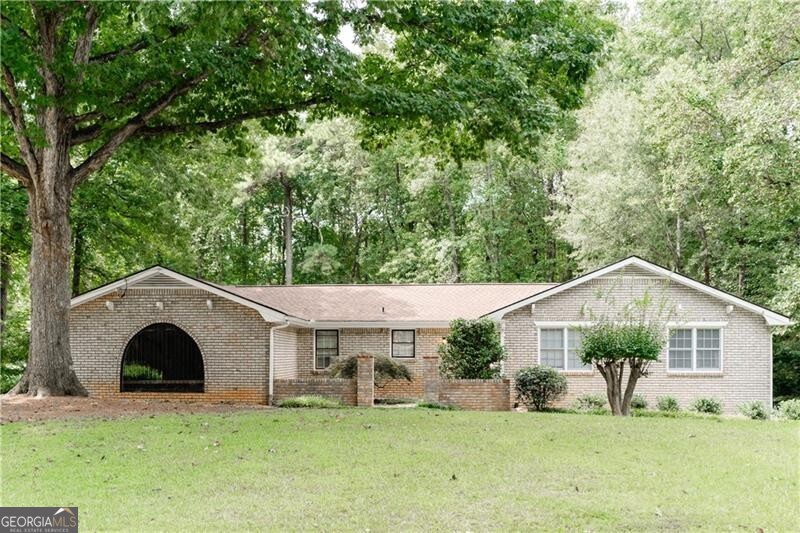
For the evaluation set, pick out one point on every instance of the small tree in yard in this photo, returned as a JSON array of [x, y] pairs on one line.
[[539, 386], [472, 350], [611, 347], [632, 339]]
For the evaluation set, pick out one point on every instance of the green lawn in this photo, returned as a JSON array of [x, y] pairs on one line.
[[406, 469]]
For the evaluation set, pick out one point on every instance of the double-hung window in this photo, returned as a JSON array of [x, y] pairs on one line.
[[403, 343], [559, 347], [695, 350], [326, 347]]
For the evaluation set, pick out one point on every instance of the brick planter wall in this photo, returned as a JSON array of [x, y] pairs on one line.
[[476, 394], [344, 390]]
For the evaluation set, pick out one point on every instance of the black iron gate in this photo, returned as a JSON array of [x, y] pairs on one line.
[[162, 358]]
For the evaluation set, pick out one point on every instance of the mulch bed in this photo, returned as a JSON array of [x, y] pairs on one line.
[[31, 409]]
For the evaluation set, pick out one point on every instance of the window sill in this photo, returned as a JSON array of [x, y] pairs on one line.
[[695, 374], [576, 372]]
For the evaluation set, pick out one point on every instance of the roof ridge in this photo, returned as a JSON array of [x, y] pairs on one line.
[[317, 285]]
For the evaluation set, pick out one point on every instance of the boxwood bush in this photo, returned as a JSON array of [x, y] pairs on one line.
[[710, 406], [667, 403], [754, 410], [789, 409], [538, 386], [590, 402]]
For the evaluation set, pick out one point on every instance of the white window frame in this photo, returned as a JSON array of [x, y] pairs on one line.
[[391, 343], [565, 330], [694, 369], [314, 346]]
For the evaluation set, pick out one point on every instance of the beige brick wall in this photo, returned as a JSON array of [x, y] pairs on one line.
[[353, 341], [746, 350], [344, 390], [233, 339]]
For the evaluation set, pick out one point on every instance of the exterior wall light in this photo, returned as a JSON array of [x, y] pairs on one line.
[[160, 306], [210, 304], [110, 305]]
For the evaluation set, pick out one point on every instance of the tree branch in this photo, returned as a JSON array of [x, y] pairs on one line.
[[83, 45], [214, 125], [102, 155], [16, 170], [136, 46], [11, 107]]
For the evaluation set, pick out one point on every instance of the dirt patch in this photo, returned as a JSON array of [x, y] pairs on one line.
[[29, 409]]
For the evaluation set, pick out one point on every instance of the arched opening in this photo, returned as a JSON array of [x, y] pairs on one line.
[[162, 358]]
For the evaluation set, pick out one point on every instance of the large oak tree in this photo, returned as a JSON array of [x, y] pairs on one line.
[[81, 79]]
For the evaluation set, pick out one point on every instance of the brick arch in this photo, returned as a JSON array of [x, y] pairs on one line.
[[142, 326]]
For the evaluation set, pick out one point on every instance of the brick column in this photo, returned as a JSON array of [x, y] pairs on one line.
[[430, 377], [365, 380]]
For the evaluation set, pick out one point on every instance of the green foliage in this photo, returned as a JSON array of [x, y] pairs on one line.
[[667, 404], [437, 405], [386, 369], [638, 402], [312, 402], [590, 402], [710, 406], [9, 376], [754, 410], [789, 409], [472, 350], [691, 106], [538, 386], [135, 371], [615, 341], [786, 365]]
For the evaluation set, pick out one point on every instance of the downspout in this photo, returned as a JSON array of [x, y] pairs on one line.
[[272, 359]]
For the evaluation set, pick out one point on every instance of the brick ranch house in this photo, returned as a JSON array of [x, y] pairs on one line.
[[260, 343]]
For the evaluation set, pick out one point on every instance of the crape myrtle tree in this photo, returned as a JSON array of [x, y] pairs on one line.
[[81, 79], [625, 340]]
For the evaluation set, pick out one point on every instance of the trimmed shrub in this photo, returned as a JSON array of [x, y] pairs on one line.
[[314, 402], [590, 402], [386, 369], [437, 405], [136, 371], [754, 410], [667, 403], [638, 402], [472, 350], [789, 409], [709, 406], [539, 386]]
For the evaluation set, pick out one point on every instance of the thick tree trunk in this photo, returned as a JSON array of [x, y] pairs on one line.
[[49, 370], [288, 230], [77, 262]]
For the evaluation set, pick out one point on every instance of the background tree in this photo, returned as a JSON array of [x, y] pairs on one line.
[[472, 350], [80, 80]]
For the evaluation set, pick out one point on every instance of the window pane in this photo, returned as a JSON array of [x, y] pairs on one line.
[[574, 341], [680, 349], [403, 350], [327, 348], [552, 339], [553, 358], [406, 335], [707, 339]]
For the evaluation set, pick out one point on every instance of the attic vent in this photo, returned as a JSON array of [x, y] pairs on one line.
[[161, 281]]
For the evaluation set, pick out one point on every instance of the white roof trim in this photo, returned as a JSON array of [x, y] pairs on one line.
[[772, 318], [387, 324], [267, 313]]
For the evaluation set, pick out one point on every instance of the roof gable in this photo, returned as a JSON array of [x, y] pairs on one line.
[[637, 266], [158, 277]]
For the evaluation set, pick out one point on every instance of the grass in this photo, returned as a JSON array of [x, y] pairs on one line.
[[411, 469]]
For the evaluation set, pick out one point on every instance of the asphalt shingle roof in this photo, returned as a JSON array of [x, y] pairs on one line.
[[424, 302]]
